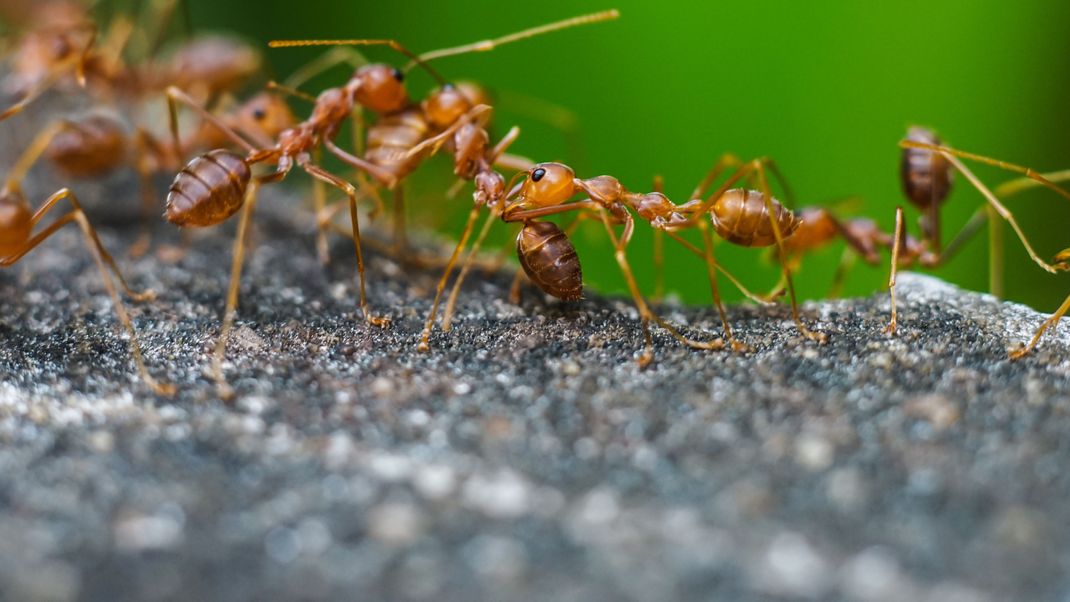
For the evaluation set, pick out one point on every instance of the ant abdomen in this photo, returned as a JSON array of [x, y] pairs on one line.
[[550, 260], [208, 190], [926, 175], [89, 147], [740, 217]]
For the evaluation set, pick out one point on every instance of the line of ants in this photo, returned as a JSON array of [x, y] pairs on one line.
[[220, 183]]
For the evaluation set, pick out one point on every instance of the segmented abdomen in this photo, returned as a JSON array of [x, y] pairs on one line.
[[208, 190], [926, 175], [740, 217], [550, 260], [392, 137]]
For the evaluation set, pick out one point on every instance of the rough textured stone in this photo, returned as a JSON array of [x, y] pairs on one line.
[[524, 458]]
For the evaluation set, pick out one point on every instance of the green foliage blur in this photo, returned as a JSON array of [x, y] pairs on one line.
[[825, 88]]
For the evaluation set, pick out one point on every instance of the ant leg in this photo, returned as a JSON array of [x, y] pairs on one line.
[[77, 63], [711, 271], [237, 261], [995, 253], [1012, 187], [351, 192], [339, 55], [847, 260], [174, 96], [785, 269], [1000, 209], [725, 161], [384, 176], [104, 261], [720, 268], [451, 302], [659, 251], [1048, 323], [319, 205], [149, 202], [645, 313], [33, 153], [890, 328], [478, 115], [425, 336]]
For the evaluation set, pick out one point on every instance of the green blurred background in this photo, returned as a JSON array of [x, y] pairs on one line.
[[825, 88]]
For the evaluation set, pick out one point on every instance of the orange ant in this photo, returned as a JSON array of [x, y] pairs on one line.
[[925, 171], [17, 223], [744, 217], [407, 132]]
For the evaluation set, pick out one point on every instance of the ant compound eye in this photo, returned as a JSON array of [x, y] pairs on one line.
[[259, 114], [398, 75], [448, 86], [537, 174]]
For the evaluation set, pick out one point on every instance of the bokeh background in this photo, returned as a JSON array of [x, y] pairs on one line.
[[825, 88]]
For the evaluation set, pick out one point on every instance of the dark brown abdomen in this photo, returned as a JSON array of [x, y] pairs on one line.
[[90, 147], [208, 190], [392, 137], [550, 260], [926, 175], [740, 217]]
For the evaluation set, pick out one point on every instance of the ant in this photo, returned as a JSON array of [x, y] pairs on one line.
[[926, 173], [17, 238], [405, 132], [743, 217]]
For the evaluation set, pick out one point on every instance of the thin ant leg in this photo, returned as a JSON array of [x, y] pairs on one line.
[[646, 315], [351, 192], [104, 262], [425, 336], [890, 328], [725, 161], [711, 272], [393, 44], [55, 74], [1012, 187], [479, 115], [33, 153], [1048, 323], [319, 204], [720, 268], [659, 251], [782, 258], [237, 261], [451, 302], [339, 55], [998, 207], [384, 176], [175, 95]]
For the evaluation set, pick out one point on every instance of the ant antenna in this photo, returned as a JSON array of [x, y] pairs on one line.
[[289, 91], [394, 44], [486, 45]]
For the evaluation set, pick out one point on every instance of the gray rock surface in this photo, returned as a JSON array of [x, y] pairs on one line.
[[524, 458]]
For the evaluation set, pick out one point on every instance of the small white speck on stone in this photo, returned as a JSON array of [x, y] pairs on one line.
[[500, 495], [873, 574], [389, 467], [813, 452], [395, 523], [147, 532], [792, 567], [434, 481], [381, 387]]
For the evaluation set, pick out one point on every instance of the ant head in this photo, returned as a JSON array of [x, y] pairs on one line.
[[446, 105], [547, 184], [266, 113], [15, 220], [381, 88], [475, 93]]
